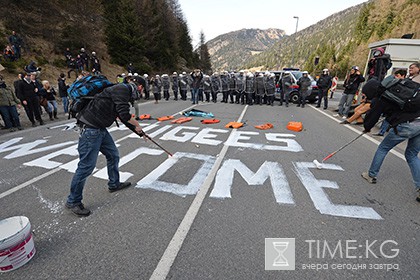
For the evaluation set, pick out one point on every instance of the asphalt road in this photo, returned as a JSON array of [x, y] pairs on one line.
[[206, 212]]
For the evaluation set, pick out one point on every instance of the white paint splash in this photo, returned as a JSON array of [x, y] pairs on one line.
[[55, 207]]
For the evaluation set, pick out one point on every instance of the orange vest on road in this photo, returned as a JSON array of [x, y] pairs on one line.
[[264, 126], [165, 118], [210, 121], [234, 125], [145, 117], [295, 126], [181, 120]]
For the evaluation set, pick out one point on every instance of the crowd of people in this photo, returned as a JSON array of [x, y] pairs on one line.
[[241, 87], [36, 95], [12, 51], [82, 61]]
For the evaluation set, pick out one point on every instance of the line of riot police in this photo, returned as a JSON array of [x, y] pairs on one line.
[[241, 87]]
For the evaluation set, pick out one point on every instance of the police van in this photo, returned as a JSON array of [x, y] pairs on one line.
[[294, 94]]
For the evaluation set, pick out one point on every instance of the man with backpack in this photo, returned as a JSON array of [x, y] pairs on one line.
[[100, 113], [404, 118]]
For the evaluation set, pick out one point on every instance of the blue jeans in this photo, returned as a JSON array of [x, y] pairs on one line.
[[10, 116], [65, 101], [91, 142], [406, 131], [52, 104], [384, 127], [194, 95], [345, 104]]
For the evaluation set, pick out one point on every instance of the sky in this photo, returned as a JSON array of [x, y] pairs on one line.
[[216, 17]]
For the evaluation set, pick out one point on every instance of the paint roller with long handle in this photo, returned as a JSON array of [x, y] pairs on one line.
[[154, 142], [319, 164], [143, 134]]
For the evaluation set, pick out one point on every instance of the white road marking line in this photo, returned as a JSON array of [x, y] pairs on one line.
[[51, 172], [21, 186], [162, 269], [398, 154]]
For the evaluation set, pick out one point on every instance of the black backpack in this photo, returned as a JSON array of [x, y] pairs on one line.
[[404, 93]]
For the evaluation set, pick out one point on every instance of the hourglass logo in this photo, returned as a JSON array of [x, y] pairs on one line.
[[279, 254]]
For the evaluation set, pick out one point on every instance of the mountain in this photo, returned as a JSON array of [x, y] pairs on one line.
[[231, 50], [342, 39]]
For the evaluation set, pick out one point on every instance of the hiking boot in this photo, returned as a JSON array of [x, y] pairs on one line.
[[120, 187], [366, 176], [418, 195], [78, 209]]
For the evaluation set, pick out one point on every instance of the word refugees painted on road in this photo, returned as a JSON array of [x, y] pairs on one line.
[[224, 178]]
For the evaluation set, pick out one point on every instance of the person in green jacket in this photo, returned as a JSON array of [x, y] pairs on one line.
[[8, 111]]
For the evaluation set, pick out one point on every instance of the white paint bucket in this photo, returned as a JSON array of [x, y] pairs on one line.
[[16, 243]]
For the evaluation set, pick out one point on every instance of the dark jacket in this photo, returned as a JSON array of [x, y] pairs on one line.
[[16, 85], [106, 106], [378, 66], [7, 97], [26, 90], [224, 82], [49, 95], [175, 82], [95, 64], [393, 114], [215, 83], [286, 82], [324, 82], [240, 83], [304, 83], [196, 80], [352, 83], [62, 87]]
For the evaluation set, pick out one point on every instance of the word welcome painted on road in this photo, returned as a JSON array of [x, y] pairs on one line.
[[225, 175]]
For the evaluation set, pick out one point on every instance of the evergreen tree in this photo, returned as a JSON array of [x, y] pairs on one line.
[[124, 39], [185, 45], [151, 34], [204, 56]]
